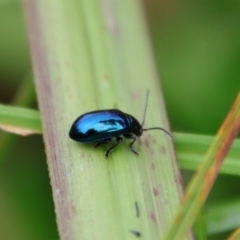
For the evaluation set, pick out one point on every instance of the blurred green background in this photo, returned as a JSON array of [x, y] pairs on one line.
[[197, 50]]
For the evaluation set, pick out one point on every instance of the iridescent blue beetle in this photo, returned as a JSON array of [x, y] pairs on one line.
[[103, 125]]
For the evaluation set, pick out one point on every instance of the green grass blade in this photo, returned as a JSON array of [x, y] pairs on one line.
[[223, 216], [235, 235], [203, 180], [19, 120], [23, 97], [191, 149], [92, 55]]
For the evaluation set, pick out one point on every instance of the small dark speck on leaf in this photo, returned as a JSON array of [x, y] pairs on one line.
[[155, 191], [153, 217], [152, 166], [82, 155], [163, 150], [136, 233], [137, 209]]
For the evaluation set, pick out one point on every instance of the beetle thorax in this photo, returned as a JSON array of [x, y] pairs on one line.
[[134, 126]]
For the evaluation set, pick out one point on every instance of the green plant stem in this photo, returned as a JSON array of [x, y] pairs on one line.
[[90, 55]]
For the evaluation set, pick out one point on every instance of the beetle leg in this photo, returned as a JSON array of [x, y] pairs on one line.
[[131, 136], [131, 148], [104, 141], [119, 140]]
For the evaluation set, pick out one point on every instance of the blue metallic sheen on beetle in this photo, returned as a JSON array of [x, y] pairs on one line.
[[99, 125], [103, 125]]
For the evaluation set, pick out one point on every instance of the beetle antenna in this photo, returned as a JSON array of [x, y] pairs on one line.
[[145, 109], [153, 128], [162, 129]]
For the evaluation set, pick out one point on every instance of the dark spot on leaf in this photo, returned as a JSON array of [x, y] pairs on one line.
[[155, 191]]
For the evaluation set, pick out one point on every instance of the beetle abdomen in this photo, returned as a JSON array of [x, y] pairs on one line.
[[97, 125]]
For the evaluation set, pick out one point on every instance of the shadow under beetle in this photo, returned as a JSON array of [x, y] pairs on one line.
[[102, 125]]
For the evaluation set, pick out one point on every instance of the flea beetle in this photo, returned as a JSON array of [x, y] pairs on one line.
[[103, 125]]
